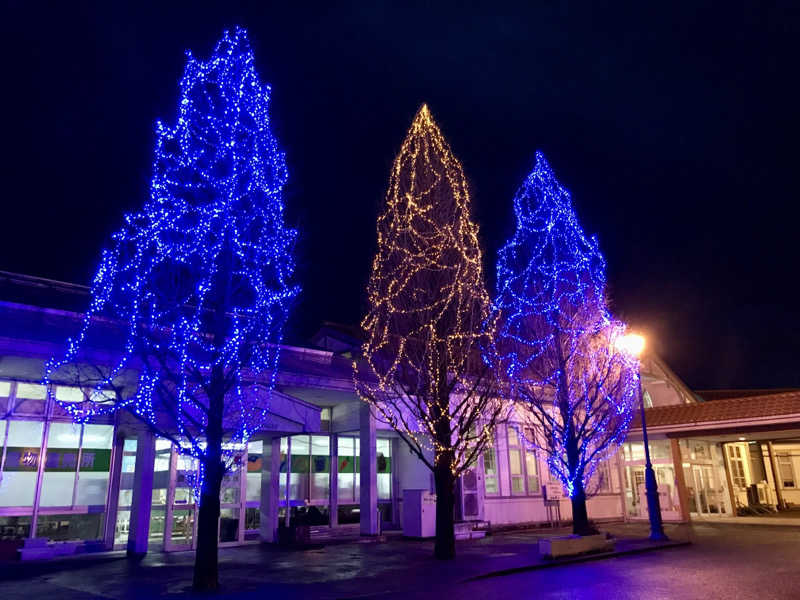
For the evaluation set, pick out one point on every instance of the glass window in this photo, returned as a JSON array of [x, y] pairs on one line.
[[736, 462], [347, 470], [60, 464], [30, 399], [160, 479], [18, 483], [32, 391], [255, 461], [384, 456], [300, 462], [126, 481], [325, 419], [532, 470], [490, 468], [515, 462], [700, 451], [5, 391], [62, 528], [157, 519], [320, 467], [231, 487], [122, 527], [522, 463], [229, 525], [15, 528], [602, 477], [69, 394], [95, 465], [786, 470], [185, 469]]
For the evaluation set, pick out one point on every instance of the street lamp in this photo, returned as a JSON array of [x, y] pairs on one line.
[[633, 344]]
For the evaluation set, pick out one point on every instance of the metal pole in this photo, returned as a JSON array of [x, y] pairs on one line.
[[651, 486]]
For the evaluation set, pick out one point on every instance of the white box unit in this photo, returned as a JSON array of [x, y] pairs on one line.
[[419, 514]]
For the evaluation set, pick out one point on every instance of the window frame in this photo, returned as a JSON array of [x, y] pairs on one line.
[[524, 453], [785, 460], [491, 448]]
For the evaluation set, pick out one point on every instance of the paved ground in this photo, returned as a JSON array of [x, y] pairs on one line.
[[724, 561]]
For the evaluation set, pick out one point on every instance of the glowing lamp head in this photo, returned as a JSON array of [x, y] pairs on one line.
[[631, 344]]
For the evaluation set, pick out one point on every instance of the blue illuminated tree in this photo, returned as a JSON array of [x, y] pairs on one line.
[[555, 339], [193, 294]]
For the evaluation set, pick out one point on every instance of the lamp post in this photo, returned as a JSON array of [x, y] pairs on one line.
[[634, 344]]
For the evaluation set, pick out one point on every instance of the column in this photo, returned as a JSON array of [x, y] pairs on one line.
[[333, 482], [369, 471], [39, 475], [397, 493], [775, 477], [680, 480], [142, 501], [620, 460], [112, 501], [270, 489], [728, 479], [288, 516]]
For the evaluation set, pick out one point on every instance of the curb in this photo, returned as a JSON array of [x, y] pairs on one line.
[[575, 560]]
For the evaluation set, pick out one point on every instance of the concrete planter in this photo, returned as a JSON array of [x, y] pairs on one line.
[[573, 545]]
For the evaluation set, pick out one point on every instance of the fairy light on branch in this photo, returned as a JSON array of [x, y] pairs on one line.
[[427, 305], [556, 339], [195, 289]]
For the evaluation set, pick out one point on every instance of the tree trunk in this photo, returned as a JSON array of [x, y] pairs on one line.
[[580, 517], [206, 572], [445, 547]]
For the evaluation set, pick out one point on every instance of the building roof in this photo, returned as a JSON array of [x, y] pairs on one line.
[[743, 409], [711, 395]]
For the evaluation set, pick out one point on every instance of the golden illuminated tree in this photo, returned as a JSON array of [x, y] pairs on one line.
[[421, 370]]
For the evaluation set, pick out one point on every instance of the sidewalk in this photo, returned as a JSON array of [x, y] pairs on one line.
[[767, 520], [360, 570]]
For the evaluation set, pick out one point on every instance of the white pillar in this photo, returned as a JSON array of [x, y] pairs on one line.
[[397, 493], [142, 501], [270, 479], [333, 494], [112, 501], [369, 472]]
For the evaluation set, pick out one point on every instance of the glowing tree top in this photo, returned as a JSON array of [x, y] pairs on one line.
[[556, 338], [194, 290], [427, 299]]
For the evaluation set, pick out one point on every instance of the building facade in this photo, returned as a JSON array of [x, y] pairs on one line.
[[324, 460]]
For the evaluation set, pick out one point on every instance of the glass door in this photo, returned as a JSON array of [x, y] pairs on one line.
[[231, 526], [181, 507], [704, 498]]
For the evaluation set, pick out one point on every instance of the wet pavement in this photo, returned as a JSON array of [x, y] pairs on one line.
[[723, 561]]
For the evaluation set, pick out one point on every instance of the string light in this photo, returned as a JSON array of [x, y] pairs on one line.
[[427, 303], [556, 339], [201, 279]]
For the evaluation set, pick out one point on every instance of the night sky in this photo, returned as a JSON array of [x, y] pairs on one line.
[[675, 128]]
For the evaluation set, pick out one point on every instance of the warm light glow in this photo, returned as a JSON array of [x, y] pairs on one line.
[[427, 299], [631, 343]]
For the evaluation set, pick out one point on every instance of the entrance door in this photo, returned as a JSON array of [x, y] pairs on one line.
[[231, 526], [707, 499], [180, 526], [181, 519]]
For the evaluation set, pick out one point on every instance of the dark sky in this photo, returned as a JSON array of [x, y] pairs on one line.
[[675, 127]]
